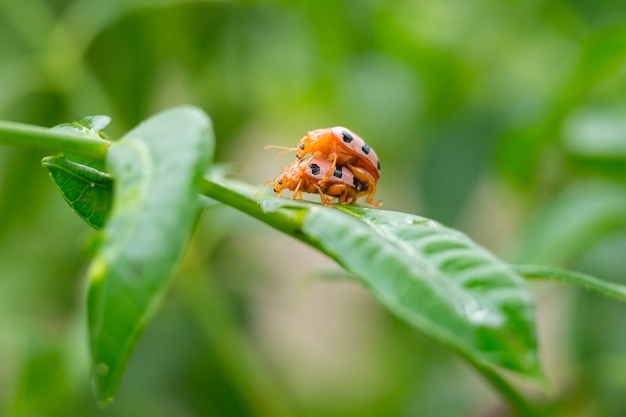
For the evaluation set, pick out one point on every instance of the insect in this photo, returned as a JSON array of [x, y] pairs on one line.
[[342, 147], [306, 175]]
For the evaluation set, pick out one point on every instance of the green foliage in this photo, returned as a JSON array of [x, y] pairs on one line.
[[433, 277], [84, 186], [501, 119], [89, 126], [88, 191], [157, 168], [430, 276], [556, 232]]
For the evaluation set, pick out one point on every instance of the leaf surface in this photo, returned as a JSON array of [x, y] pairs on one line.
[[90, 126], [436, 279], [88, 191], [83, 185], [158, 169]]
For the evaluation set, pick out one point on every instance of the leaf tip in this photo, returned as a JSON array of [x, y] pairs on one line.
[[101, 384]]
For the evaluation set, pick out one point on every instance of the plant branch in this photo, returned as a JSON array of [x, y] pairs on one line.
[[518, 403], [287, 221], [18, 134], [588, 282]]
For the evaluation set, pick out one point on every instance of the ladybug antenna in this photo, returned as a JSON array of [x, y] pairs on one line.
[[284, 148], [265, 184]]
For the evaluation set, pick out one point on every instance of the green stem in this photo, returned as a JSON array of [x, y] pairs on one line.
[[287, 221], [608, 289], [518, 402], [18, 134]]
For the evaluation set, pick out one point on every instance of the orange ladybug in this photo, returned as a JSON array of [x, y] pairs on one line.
[[314, 175], [342, 147]]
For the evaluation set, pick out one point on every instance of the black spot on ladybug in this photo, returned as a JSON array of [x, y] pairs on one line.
[[366, 149], [346, 136], [360, 186], [315, 169], [378, 165], [338, 172]]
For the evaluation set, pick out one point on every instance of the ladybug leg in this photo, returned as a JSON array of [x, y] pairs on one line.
[[350, 196], [344, 193], [367, 179], [323, 196], [331, 171], [297, 192]]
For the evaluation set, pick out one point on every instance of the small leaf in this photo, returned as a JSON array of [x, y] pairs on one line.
[[88, 191], [89, 125], [158, 169], [81, 181]]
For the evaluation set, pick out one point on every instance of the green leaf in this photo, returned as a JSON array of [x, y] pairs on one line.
[[433, 277], [158, 169], [89, 126], [88, 191], [84, 186]]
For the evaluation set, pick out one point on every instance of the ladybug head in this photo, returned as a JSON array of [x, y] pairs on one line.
[[303, 147], [278, 183], [315, 142]]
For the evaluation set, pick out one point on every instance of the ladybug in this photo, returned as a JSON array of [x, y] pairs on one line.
[[342, 147], [314, 175]]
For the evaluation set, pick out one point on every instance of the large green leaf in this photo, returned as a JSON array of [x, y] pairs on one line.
[[158, 168], [433, 277]]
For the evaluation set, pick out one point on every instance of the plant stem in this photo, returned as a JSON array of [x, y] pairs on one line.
[[518, 403], [19, 134], [588, 282], [289, 222]]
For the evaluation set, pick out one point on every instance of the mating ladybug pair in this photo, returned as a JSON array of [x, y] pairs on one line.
[[341, 165]]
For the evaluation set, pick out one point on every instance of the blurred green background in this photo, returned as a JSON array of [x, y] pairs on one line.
[[505, 119]]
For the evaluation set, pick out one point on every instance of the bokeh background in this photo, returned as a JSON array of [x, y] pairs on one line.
[[504, 119]]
